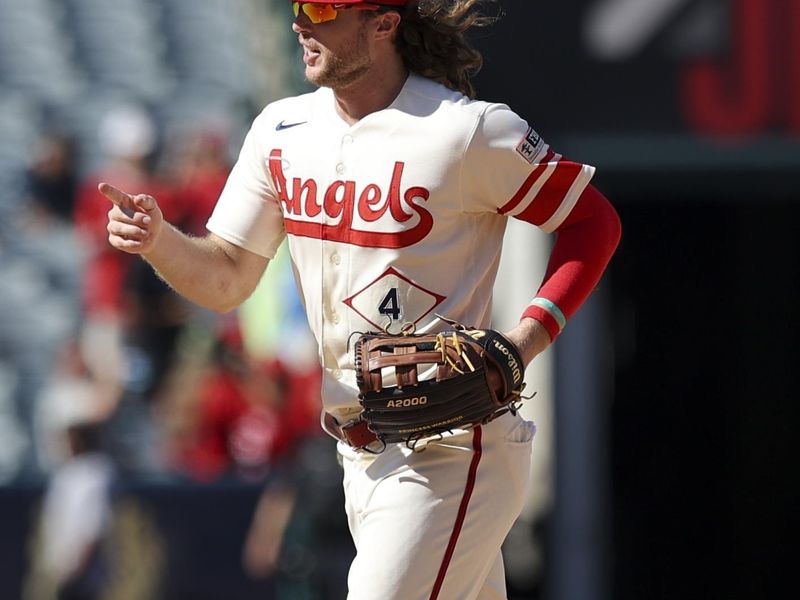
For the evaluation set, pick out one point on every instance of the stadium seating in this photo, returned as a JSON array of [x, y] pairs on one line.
[[64, 64]]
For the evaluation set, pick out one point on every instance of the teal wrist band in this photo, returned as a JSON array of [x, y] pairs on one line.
[[550, 307]]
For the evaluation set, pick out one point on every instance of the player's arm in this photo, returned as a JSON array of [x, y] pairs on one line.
[[209, 271], [586, 240]]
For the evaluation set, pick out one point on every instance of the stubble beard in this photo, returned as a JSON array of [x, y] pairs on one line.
[[346, 67]]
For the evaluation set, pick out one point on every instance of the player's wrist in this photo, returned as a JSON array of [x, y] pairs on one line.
[[157, 242], [530, 337], [547, 313]]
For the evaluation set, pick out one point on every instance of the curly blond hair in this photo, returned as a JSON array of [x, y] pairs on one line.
[[431, 39]]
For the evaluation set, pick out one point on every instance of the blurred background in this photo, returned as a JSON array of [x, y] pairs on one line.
[[149, 449]]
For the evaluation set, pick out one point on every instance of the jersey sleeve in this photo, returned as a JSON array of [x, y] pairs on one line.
[[509, 169], [247, 213]]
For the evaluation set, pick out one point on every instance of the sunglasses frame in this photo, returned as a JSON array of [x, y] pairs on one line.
[[331, 10]]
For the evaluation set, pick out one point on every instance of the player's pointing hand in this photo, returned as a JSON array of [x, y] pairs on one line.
[[134, 222]]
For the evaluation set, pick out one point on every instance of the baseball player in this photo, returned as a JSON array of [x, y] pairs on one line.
[[393, 187]]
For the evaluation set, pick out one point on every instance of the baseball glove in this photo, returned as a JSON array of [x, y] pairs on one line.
[[415, 386]]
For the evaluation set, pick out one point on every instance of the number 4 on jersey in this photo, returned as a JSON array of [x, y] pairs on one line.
[[393, 298], [390, 305]]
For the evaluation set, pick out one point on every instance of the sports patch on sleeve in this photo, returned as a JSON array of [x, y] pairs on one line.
[[531, 146]]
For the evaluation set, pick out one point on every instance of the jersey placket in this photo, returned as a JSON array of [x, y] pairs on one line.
[[335, 261]]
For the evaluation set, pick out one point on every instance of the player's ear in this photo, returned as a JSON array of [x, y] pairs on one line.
[[386, 24]]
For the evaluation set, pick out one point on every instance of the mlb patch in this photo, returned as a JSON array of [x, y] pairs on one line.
[[531, 146]]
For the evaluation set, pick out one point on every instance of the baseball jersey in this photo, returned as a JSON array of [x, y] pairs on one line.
[[395, 219]]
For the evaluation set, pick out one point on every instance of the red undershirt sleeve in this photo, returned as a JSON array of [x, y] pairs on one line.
[[585, 242]]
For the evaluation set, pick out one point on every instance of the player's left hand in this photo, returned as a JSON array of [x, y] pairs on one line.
[[478, 375]]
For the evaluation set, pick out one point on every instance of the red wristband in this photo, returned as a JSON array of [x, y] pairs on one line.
[[545, 318]]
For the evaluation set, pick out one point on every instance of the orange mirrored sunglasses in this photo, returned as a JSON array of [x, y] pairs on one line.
[[321, 13]]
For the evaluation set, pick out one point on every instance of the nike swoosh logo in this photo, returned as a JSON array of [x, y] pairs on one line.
[[281, 126]]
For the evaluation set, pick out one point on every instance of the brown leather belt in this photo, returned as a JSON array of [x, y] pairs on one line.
[[354, 433]]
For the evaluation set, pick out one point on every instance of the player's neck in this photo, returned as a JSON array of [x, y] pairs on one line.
[[376, 90]]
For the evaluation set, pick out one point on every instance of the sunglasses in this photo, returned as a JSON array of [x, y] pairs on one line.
[[322, 13]]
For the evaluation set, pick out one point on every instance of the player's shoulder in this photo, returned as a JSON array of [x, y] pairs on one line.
[[424, 91]]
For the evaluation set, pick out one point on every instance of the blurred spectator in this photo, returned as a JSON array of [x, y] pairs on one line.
[[39, 306], [265, 538], [128, 137], [198, 166], [51, 179], [76, 514], [132, 320], [292, 541], [250, 415], [245, 403], [69, 394], [258, 419]]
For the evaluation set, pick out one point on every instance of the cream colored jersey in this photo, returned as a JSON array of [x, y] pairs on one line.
[[395, 219]]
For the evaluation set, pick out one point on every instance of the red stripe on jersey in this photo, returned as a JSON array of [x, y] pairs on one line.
[[462, 512], [552, 193], [527, 185]]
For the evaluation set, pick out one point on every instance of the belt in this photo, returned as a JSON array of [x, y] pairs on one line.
[[353, 433], [356, 434]]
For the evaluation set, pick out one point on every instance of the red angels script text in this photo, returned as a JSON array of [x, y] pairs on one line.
[[341, 199]]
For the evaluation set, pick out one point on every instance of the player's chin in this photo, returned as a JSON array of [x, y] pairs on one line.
[[324, 77], [316, 75]]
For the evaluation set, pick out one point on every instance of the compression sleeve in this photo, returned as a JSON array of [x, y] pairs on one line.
[[586, 240]]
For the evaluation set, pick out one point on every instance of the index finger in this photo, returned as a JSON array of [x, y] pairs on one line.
[[116, 196]]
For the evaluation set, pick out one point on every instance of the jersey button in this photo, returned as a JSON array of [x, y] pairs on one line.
[[340, 168], [336, 259], [348, 139], [337, 374], [335, 318]]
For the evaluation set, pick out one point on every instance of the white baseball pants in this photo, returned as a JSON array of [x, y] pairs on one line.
[[429, 525]]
